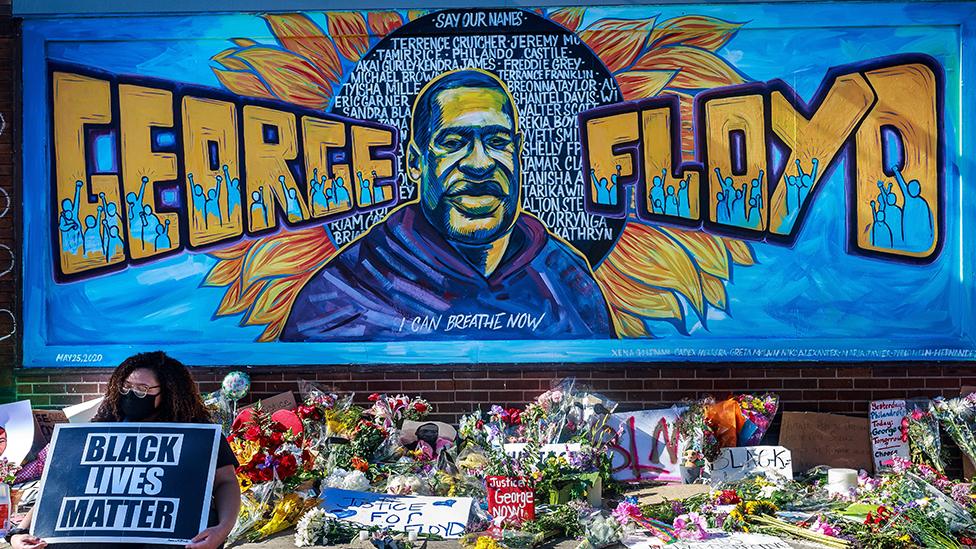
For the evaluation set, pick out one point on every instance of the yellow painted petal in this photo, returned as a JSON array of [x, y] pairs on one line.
[[630, 295], [715, 292], [244, 42], [287, 253], [227, 59], [699, 31], [413, 15], [629, 326], [275, 301], [225, 272], [617, 42], [382, 23], [348, 29], [568, 17], [298, 33], [290, 77], [697, 68], [708, 251], [741, 251], [648, 255], [643, 84], [242, 83]]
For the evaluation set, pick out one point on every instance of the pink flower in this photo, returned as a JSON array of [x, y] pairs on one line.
[[690, 527], [625, 511], [821, 526]]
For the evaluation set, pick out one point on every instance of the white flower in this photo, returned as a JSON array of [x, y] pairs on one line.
[[311, 528], [347, 480]]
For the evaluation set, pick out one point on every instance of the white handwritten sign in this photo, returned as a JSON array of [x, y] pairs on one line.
[[646, 445], [716, 540], [886, 442], [445, 517], [559, 450], [737, 463]]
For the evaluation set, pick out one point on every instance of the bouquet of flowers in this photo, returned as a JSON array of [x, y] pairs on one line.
[[958, 418], [920, 429], [695, 429], [8, 471], [268, 450], [391, 411], [759, 413], [316, 527]]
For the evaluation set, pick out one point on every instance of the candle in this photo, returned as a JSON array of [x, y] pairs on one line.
[[841, 481], [412, 536], [363, 535]]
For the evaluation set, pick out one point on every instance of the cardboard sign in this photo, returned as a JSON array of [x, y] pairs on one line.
[[647, 445], [84, 412], [511, 498], [445, 517], [517, 449], [127, 482], [826, 439], [16, 431], [284, 401], [885, 417], [738, 463], [46, 420]]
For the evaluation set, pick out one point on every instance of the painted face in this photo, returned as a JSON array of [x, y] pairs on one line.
[[469, 169]]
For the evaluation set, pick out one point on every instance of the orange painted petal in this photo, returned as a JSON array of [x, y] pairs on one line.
[[413, 15], [275, 301], [227, 59], [231, 251], [697, 68], [287, 253], [242, 83], [224, 273], [708, 251], [618, 41], [290, 77], [741, 252], [694, 30], [298, 33], [244, 42], [236, 302], [382, 23], [643, 84], [568, 17], [348, 29]]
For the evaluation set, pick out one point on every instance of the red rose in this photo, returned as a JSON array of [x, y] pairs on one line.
[[514, 416], [253, 433], [480, 424], [287, 466], [277, 438], [374, 397], [420, 407]]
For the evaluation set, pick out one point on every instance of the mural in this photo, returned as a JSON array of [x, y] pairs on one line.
[[498, 185]]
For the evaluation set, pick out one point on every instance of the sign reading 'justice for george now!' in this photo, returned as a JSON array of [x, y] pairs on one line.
[[141, 483]]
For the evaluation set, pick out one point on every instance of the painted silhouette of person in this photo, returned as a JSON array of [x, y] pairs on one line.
[[463, 248]]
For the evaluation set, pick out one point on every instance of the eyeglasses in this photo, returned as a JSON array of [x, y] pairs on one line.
[[139, 390]]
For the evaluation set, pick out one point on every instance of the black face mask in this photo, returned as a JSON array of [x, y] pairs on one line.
[[135, 408]]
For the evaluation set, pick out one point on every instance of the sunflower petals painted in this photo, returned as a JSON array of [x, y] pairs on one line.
[[694, 30], [288, 252], [618, 41], [348, 29], [275, 301], [242, 83], [648, 255], [697, 68], [290, 77], [643, 84], [622, 292], [741, 252], [708, 251], [715, 292], [628, 326], [298, 33], [243, 42], [568, 17], [382, 23], [413, 15]]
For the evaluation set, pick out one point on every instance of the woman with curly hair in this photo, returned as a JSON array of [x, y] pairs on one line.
[[154, 387]]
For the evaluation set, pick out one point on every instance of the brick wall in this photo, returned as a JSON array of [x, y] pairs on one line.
[[836, 388], [9, 218]]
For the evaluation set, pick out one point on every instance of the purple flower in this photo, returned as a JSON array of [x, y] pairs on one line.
[[960, 493], [690, 527], [678, 508], [497, 410], [821, 526]]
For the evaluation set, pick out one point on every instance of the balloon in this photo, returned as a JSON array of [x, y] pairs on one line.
[[235, 385]]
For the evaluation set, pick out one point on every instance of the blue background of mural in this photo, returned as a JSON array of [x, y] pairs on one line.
[[812, 301]]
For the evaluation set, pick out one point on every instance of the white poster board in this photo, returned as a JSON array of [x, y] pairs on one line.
[[84, 412], [516, 449], [717, 539], [647, 445], [16, 431], [737, 463], [886, 442], [445, 517]]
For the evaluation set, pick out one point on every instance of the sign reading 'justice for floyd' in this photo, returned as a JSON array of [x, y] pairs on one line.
[[141, 483]]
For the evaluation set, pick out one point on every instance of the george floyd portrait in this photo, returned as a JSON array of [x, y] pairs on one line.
[[463, 260]]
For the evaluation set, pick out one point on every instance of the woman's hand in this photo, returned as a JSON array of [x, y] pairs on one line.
[[27, 541], [211, 538]]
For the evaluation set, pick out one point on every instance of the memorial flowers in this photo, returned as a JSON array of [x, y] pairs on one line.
[[316, 527], [958, 417], [920, 428], [392, 411], [759, 412]]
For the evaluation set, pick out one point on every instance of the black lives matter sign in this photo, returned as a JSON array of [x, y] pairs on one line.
[[127, 482]]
